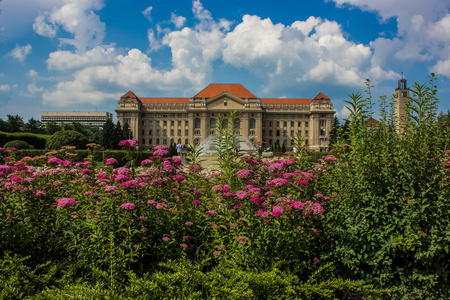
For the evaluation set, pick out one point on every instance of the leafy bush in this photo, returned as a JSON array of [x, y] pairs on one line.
[[388, 221], [67, 138], [18, 144], [38, 141]]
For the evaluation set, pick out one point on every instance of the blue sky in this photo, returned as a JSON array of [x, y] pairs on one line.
[[84, 54]]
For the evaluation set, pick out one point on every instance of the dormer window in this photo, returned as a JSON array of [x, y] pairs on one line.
[[225, 103]]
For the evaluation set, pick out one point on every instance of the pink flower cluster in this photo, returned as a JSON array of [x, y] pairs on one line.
[[110, 161], [245, 173], [63, 202], [128, 143], [128, 206]]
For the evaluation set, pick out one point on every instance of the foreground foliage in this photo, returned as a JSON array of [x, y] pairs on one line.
[[373, 216]]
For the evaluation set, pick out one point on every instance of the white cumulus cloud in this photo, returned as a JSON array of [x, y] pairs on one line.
[[76, 17], [148, 13], [4, 87], [21, 52], [423, 31]]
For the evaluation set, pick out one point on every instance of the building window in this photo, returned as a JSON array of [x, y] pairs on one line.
[[306, 132], [299, 124], [263, 132], [263, 124], [270, 124], [306, 124], [164, 123], [179, 123], [278, 123], [270, 132], [323, 123], [306, 142], [143, 141], [197, 123], [172, 123], [299, 132], [322, 132], [172, 132], [186, 132], [292, 132], [150, 142], [284, 132], [179, 132], [150, 132], [278, 133], [212, 123], [292, 123], [157, 133], [186, 123], [164, 132], [143, 123], [150, 123], [284, 124], [252, 124], [186, 141], [157, 141], [143, 132], [164, 142], [157, 123], [196, 142], [270, 142]]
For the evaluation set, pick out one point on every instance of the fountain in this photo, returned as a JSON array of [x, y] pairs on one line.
[[209, 145]]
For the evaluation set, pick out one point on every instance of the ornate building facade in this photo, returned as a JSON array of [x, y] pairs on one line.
[[162, 121]]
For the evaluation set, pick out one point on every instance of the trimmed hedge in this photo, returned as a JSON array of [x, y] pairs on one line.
[[38, 141], [119, 155], [67, 138], [18, 144]]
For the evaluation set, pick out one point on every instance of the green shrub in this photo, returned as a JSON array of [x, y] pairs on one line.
[[388, 222], [67, 138], [18, 144], [38, 141]]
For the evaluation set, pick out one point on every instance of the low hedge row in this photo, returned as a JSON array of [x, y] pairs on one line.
[[38, 141], [99, 156]]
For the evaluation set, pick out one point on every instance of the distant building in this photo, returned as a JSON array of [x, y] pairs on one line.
[[163, 121], [89, 118]]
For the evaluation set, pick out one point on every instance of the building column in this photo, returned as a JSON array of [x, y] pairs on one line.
[[258, 127], [203, 127]]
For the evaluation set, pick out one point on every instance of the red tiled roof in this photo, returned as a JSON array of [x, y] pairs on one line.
[[215, 89], [131, 95], [285, 101], [321, 96], [372, 122], [164, 100]]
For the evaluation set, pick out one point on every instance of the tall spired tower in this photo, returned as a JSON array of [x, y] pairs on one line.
[[402, 97]]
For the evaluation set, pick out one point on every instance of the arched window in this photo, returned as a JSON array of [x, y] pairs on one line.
[[252, 124], [224, 123], [212, 123], [197, 123], [237, 123]]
